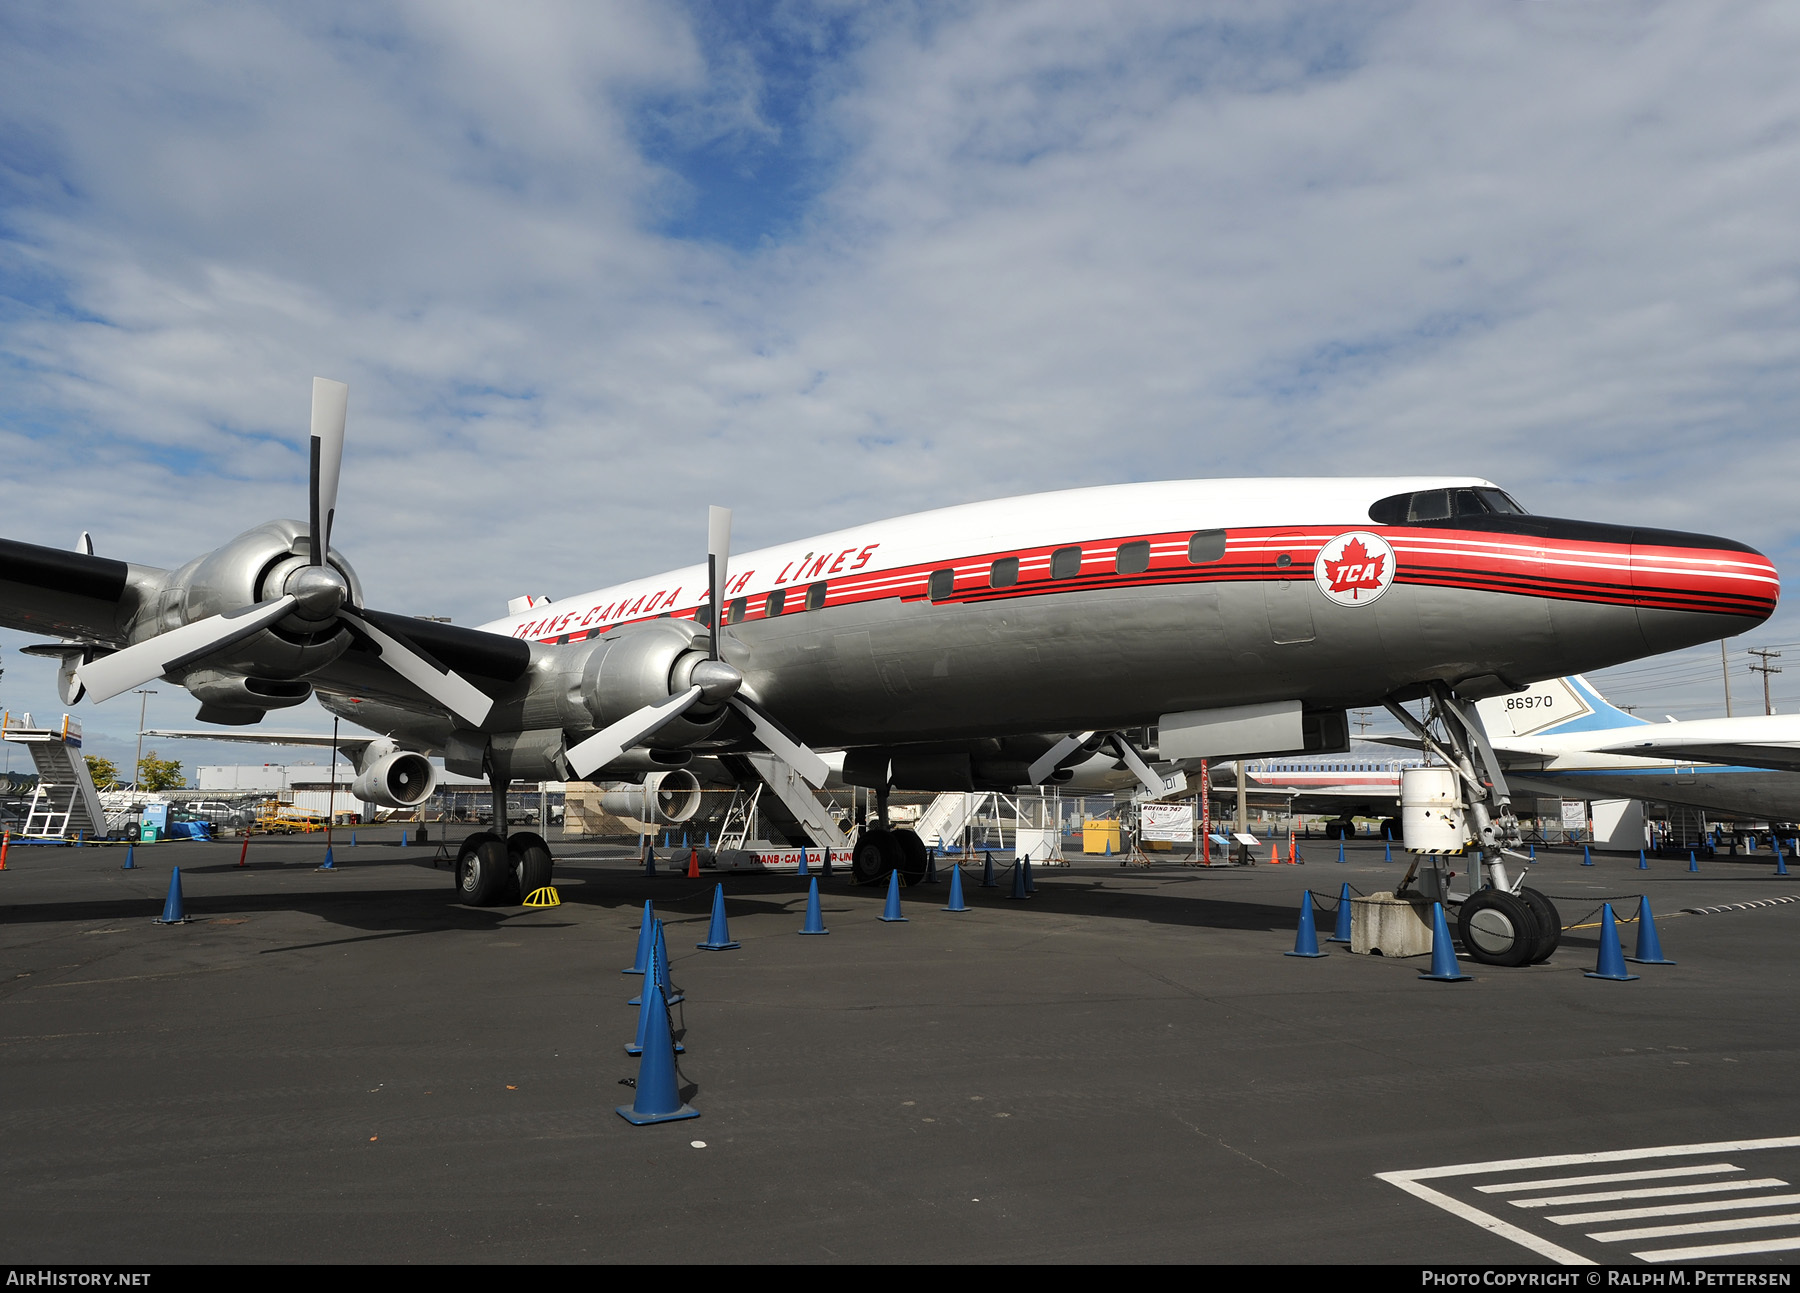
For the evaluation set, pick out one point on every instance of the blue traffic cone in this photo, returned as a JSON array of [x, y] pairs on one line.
[[658, 1095], [646, 941], [1533, 849], [1340, 850], [402, 839], [804, 870], [1587, 859], [891, 912], [327, 864], [1306, 938], [931, 866], [1693, 861], [707, 842], [130, 861], [1780, 861], [1643, 862], [659, 969], [1443, 956], [956, 893], [684, 839], [987, 871], [1030, 884], [1649, 946], [1611, 964], [173, 914], [636, 1046], [1342, 933], [825, 859], [1108, 846], [718, 937], [352, 839], [1387, 852], [1019, 891], [815, 919], [649, 859]]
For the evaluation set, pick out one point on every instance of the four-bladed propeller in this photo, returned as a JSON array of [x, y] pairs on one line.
[[714, 681], [316, 592]]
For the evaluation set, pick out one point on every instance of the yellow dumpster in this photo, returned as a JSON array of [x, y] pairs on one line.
[[1100, 835]]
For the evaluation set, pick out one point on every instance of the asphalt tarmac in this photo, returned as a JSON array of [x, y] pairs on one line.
[[346, 1066]]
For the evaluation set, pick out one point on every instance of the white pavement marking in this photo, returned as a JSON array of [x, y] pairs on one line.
[[1675, 1209], [1557, 1183], [1694, 1228], [1412, 1181], [1658, 1191], [1718, 1250]]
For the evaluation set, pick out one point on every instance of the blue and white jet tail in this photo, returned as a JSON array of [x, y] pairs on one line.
[[1553, 708]]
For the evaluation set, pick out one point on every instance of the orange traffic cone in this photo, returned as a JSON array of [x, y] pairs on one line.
[[1275, 852], [1293, 851], [693, 864]]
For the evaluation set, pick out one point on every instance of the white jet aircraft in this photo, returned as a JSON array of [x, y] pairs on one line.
[[1236, 616]]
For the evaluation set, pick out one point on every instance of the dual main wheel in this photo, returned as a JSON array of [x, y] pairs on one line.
[[1500, 928], [491, 872], [879, 852]]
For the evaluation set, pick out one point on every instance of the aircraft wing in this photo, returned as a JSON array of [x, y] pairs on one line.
[[1754, 741], [351, 747], [70, 594]]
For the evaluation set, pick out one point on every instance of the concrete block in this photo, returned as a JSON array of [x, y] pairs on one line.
[[1390, 926]]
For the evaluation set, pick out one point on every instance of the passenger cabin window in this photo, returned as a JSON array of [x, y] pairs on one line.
[[593, 633], [1004, 573], [943, 584], [734, 610], [562, 639], [815, 596], [1065, 563], [1133, 558], [1428, 505], [777, 600], [1205, 546]]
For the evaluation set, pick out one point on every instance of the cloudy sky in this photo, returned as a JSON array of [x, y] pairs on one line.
[[588, 267]]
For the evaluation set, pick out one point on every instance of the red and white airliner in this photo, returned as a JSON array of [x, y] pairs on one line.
[[985, 645]]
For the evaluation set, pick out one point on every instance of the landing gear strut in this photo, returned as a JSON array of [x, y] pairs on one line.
[[1500, 921]]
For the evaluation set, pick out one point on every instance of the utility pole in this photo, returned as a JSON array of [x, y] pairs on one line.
[[1765, 669], [137, 763], [1725, 670]]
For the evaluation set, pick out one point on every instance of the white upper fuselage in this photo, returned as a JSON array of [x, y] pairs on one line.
[[908, 542]]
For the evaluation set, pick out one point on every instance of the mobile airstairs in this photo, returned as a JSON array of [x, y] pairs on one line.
[[65, 804]]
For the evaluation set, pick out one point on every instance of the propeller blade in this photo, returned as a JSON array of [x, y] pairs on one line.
[[778, 741], [1055, 755], [135, 665], [589, 756], [330, 402], [451, 690], [718, 562], [1155, 786]]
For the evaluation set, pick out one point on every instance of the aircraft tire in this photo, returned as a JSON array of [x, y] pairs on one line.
[[482, 873], [877, 852], [1498, 928], [531, 864], [1390, 828], [1549, 924], [914, 862]]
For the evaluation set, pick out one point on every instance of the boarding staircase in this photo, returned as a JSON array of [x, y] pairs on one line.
[[791, 789], [65, 802], [941, 824]]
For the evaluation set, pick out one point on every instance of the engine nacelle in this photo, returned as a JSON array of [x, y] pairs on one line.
[[665, 799], [401, 779], [251, 568]]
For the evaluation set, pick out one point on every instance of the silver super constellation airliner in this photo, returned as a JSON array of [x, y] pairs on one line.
[[936, 650]]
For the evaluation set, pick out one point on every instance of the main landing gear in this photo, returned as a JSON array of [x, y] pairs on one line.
[[1501, 922], [880, 849], [495, 868]]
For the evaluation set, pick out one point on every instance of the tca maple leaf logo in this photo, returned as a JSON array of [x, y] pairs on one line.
[[1356, 570]]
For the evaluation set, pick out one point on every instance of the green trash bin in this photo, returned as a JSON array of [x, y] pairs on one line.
[[147, 834]]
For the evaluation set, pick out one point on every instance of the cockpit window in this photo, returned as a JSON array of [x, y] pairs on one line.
[[1428, 505]]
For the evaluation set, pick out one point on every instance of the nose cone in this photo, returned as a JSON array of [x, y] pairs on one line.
[[1692, 588]]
